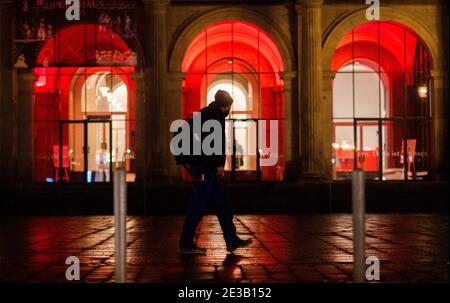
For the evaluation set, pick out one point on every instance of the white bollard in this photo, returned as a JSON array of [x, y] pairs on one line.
[[120, 225], [359, 209]]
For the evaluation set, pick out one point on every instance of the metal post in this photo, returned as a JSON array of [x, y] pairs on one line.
[[358, 206], [120, 228]]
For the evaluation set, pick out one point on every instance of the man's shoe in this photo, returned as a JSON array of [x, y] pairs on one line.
[[239, 244], [193, 251]]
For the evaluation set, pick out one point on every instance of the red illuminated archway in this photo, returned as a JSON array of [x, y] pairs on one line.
[[402, 62], [242, 57], [71, 55]]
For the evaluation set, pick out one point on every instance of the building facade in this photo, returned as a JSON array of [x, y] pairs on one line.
[[337, 87]]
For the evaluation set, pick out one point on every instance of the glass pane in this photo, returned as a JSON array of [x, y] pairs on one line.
[[246, 51], [395, 96], [392, 47], [99, 160], [367, 147], [343, 149], [343, 93], [219, 46], [229, 148], [119, 147], [221, 81], [271, 149], [193, 90], [392, 150], [74, 132], [63, 80], [418, 147], [245, 147], [367, 88], [365, 43], [418, 99], [46, 137], [271, 96], [415, 135]]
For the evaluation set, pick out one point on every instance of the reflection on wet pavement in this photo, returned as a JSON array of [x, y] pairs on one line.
[[286, 248]]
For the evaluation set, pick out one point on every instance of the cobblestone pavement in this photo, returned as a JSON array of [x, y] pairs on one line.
[[286, 248]]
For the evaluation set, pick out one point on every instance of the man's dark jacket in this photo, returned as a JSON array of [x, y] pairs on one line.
[[212, 112]]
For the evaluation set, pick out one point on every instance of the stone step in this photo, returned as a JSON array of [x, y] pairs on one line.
[[307, 197]]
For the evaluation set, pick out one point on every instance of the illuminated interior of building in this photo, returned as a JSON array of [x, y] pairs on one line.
[[242, 59], [84, 106], [380, 109]]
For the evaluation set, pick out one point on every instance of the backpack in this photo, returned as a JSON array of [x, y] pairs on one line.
[[183, 159], [196, 139]]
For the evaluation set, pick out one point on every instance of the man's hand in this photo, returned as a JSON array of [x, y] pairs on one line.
[[220, 171]]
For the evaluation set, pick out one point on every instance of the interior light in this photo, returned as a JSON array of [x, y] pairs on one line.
[[42, 81], [335, 145], [422, 90]]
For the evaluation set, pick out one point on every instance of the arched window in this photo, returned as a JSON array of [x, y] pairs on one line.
[[84, 104], [242, 59], [381, 120]]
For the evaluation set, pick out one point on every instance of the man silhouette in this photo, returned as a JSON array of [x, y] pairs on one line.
[[207, 173]]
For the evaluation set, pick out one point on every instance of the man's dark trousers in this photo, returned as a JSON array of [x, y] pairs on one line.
[[210, 186]]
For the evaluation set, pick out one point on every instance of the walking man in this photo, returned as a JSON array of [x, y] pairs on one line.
[[207, 173]]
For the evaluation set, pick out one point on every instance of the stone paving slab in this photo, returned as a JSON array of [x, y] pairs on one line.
[[286, 248]]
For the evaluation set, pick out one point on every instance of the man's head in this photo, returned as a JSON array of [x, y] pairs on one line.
[[224, 101]]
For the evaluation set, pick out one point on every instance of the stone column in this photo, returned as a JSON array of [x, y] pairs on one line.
[[174, 106], [327, 122], [291, 129], [6, 87], [141, 130], [312, 157], [298, 8], [155, 49], [439, 138], [25, 115]]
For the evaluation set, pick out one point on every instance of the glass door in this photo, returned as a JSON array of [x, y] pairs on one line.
[[368, 138], [99, 164], [72, 149], [85, 147], [242, 153]]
